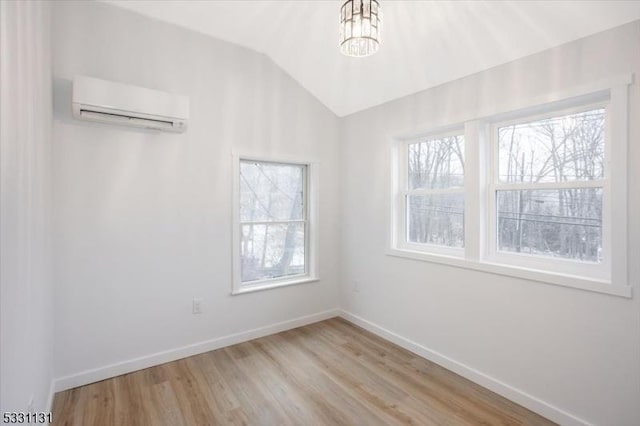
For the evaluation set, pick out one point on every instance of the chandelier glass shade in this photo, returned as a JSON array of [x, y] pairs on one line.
[[360, 27]]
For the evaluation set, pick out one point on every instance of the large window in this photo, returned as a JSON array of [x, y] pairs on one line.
[[548, 189], [433, 195], [273, 224], [538, 193]]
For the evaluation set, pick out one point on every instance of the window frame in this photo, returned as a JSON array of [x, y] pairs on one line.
[[481, 156], [310, 218], [599, 270], [404, 192]]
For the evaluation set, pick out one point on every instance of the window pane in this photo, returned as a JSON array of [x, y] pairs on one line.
[[557, 149], [272, 250], [564, 223], [270, 191], [436, 163], [436, 219]]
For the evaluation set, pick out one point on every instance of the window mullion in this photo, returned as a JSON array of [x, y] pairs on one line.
[[491, 175], [474, 180], [403, 211]]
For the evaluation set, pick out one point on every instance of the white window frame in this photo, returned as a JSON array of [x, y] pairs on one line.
[[404, 192], [480, 185], [600, 270], [310, 218]]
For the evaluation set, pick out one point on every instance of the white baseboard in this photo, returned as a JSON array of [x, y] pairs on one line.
[[516, 395], [124, 367]]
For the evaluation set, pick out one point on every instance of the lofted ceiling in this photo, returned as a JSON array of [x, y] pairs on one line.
[[424, 43]]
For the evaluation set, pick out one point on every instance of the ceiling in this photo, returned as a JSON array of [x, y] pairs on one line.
[[424, 43]]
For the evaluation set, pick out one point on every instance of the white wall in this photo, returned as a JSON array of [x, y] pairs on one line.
[[142, 220], [26, 298], [575, 350]]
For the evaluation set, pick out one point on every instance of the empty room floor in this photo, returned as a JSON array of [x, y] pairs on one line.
[[327, 373]]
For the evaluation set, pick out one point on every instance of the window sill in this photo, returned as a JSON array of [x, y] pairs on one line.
[[565, 280], [271, 284]]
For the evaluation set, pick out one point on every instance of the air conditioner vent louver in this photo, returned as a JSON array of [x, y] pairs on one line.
[[122, 104]]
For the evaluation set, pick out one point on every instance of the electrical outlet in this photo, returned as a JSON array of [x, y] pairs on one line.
[[197, 306]]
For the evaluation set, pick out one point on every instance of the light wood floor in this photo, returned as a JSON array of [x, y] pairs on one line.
[[328, 373]]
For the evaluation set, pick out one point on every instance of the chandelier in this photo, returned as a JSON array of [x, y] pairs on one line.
[[360, 27]]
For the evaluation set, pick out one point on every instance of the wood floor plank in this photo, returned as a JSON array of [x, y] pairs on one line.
[[354, 379], [327, 373], [457, 390], [328, 397], [163, 406]]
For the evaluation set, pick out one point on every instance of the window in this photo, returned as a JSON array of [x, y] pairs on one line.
[[537, 192], [548, 189], [273, 226], [433, 194]]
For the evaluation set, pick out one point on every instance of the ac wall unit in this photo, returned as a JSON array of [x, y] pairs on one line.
[[115, 103]]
